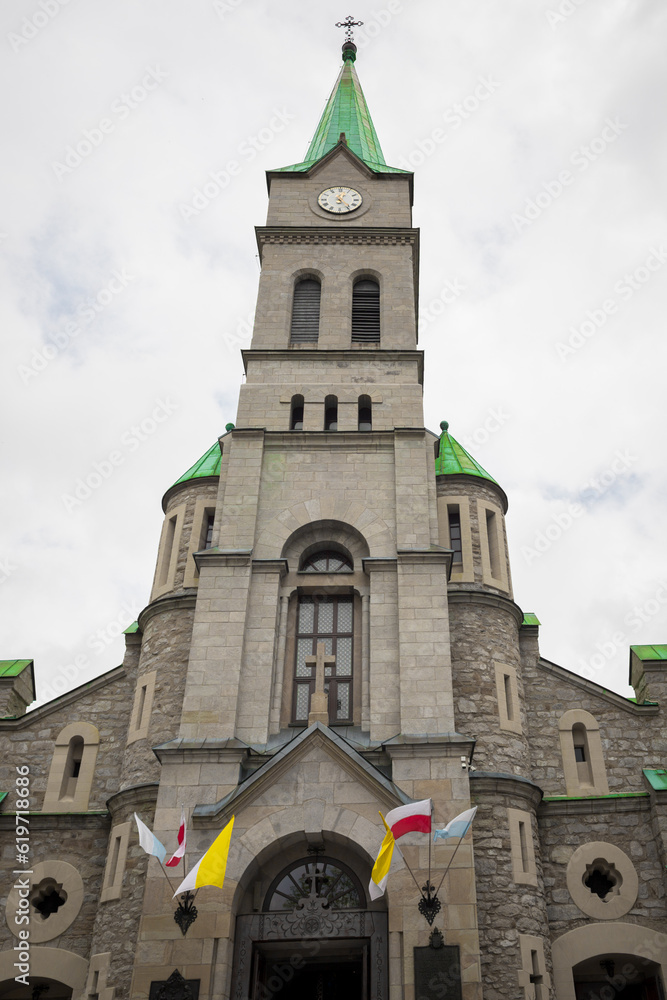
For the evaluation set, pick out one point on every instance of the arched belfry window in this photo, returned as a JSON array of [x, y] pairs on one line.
[[331, 413], [327, 880], [366, 312], [306, 311], [365, 414], [296, 414]]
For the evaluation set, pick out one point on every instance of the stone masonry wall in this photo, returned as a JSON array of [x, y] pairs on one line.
[[505, 908]]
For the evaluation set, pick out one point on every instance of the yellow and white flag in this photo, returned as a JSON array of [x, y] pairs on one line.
[[380, 873], [210, 870]]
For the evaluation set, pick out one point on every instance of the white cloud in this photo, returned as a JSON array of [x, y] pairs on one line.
[[193, 282]]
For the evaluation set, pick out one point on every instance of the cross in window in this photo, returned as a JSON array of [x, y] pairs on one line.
[[319, 702]]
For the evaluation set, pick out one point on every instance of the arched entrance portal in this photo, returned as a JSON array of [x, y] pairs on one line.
[[313, 939], [617, 977], [39, 988]]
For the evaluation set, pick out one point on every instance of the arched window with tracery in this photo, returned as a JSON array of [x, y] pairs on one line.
[[318, 877]]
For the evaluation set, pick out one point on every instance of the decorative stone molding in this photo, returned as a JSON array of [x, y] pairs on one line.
[[119, 839], [522, 846], [98, 972], [588, 776], [72, 769], [612, 864]]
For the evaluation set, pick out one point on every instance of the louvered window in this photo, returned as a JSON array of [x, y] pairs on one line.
[[306, 312], [366, 312]]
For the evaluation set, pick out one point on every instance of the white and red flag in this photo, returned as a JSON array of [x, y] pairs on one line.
[[180, 850], [415, 818]]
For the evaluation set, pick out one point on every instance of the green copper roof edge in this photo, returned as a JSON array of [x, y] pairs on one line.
[[658, 651], [12, 668], [529, 618], [131, 629], [207, 465], [453, 459], [658, 783]]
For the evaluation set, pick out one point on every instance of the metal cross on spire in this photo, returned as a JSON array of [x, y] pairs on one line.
[[349, 23]]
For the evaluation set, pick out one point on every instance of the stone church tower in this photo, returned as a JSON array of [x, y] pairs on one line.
[[327, 522]]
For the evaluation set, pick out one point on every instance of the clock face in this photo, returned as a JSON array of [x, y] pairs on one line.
[[339, 200]]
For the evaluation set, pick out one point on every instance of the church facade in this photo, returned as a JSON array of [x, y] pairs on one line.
[[332, 634]]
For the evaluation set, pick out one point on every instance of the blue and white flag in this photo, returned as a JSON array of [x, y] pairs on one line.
[[149, 841], [457, 827]]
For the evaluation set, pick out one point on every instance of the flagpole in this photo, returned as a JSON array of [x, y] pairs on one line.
[[407, 865], [450, 863], [428, 882]]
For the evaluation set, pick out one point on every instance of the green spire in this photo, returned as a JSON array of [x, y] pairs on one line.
[[208, 465], [453, 459], [346, 118]]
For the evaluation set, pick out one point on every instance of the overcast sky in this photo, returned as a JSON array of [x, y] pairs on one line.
[[536, 132]]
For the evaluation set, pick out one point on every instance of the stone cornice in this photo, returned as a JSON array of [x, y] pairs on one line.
[[469, 594], [490, 783], [175, 602], [280, 566], [462, 478], [133, 798], [595, 805], [222, 557], [341, 235], [407, 746], [97, 819], [188, 484]]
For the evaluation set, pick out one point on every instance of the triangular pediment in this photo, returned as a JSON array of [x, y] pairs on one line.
[[317, 761]]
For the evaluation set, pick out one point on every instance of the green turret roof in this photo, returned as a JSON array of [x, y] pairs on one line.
[[453, 459], [346, 114], [208, 465]]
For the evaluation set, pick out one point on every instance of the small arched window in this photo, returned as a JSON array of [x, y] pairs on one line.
[[72, 768], [70, 781], [366, 312], [306, 312], [581, 748], [296, 414], [331, 413], [365, 414]]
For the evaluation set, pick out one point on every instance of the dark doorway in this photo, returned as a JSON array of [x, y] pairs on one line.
[[329, 976]]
